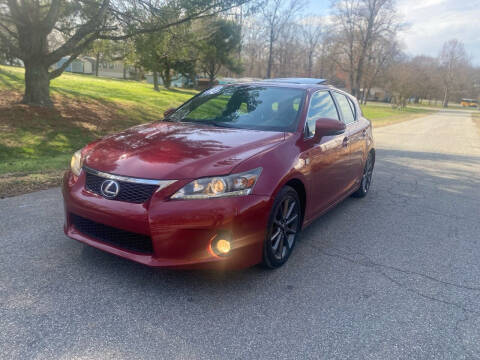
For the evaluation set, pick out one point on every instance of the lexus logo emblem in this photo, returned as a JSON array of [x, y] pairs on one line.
[[110, 189]]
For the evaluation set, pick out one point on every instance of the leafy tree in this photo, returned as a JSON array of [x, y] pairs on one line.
[[167, 52], [28, 28], [219, 47]]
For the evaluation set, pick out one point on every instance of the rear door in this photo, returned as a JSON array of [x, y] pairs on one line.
[[355, 138]]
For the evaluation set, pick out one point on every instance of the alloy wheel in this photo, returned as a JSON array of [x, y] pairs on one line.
[[284, 228], [367, 174]]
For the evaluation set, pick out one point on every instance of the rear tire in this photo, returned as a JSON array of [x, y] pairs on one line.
[[366, 177], [283, 227]]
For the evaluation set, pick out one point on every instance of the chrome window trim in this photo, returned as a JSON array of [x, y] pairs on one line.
[[161, 183], [354, 108]]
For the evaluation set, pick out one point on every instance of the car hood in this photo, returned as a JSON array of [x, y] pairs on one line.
[[165, 150]]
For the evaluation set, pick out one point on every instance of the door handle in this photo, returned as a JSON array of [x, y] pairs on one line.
[[345, 141], [364, 133]]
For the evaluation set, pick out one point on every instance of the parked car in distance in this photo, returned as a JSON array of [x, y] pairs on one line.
[[227, 180], [469, 103]]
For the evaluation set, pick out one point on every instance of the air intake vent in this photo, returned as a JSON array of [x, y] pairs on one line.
[[113, 236]]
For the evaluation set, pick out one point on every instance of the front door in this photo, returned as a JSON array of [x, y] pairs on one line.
[[329, 159]]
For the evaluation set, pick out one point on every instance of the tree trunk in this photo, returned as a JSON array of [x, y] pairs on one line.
[[211, 77], [155, 81], [166, 77], [97, 61], [124, 71], [167, 81], [310, 64], [270, 59], [37, 84], [367, 94], [211, 72], [445, 98]]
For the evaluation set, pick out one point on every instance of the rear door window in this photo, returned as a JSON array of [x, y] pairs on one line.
[[345, 108]]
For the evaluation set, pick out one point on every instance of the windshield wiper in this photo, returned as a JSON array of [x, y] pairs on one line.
[[221, 124]]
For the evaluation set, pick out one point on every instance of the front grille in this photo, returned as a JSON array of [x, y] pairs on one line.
[[123, 239], [129, 192]]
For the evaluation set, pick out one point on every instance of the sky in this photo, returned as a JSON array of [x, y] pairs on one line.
[[429, 23]]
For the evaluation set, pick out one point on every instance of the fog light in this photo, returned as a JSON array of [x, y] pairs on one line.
[[223, 246]]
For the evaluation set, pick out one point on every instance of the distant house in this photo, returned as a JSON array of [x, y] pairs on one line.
[[378, 94], [90, 67], [114, 69], [80, 65], [177, 80]]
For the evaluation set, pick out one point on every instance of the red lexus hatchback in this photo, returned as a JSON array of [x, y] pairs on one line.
[[226, 180]]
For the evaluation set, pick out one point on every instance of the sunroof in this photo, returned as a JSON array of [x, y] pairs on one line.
[[298, 80]]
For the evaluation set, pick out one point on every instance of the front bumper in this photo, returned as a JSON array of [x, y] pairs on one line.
[[181, 231]]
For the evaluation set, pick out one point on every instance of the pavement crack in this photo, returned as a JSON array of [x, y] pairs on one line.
[[369, 263]]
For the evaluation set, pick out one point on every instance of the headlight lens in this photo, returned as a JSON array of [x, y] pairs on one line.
[[220, 186], [76, 163]]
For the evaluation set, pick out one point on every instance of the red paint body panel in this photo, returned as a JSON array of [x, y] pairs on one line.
[[182, 230], [177, 151]]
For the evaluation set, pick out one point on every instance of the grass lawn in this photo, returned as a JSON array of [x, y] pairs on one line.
[[36, 144], [384, 114]]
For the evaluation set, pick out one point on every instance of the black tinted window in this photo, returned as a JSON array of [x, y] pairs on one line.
[[321, 106]]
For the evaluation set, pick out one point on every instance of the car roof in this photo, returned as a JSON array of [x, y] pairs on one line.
[[292, 80], [299, 83]]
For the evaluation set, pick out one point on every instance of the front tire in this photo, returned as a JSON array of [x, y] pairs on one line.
[[283, 227]]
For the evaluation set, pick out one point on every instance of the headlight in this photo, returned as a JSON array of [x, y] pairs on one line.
[[220, 186], [76, 163]]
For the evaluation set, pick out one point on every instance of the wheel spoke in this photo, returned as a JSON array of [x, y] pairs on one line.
[[280, 246], [290, 240], [290, 231], [274, 236], [277, 241], [289, 221], [290, 209], [285, 208]]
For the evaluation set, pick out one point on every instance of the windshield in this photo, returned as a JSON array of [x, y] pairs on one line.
[[246, 107]]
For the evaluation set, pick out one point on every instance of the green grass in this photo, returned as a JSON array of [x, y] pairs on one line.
[[385, 114], [34, 139], [37, 142]]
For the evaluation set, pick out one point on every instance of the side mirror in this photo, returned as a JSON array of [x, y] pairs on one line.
[[328, 127], [168, 112]]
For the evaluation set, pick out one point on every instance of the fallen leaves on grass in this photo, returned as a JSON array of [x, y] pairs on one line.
[[16, 184]]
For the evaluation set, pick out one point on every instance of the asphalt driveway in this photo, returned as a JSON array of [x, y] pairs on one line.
[[393, 276]]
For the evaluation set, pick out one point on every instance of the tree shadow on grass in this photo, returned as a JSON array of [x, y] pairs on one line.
[[32, 135]]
